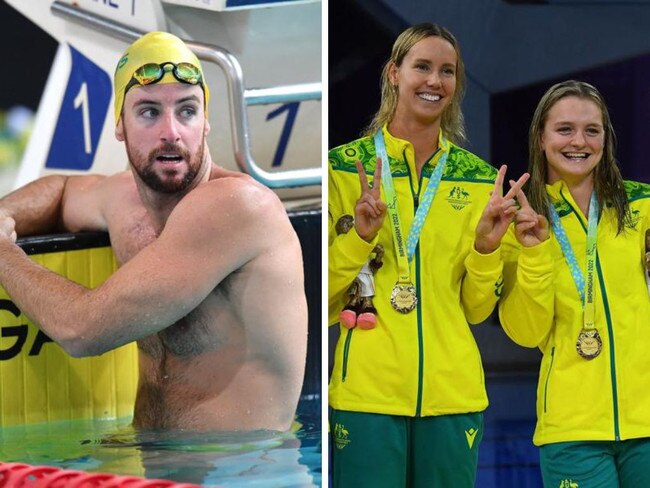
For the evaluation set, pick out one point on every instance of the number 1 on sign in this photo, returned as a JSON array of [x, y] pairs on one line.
[[82, 100]]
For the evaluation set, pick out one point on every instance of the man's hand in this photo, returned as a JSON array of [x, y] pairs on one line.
[[7, 227], [499, 212], [530, 227], [369, 211]]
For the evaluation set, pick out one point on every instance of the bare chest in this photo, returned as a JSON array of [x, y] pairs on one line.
[[211, 326], [130, 237]]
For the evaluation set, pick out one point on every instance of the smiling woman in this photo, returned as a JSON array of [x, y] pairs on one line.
[[425, 80], [578, 292], [573, 140], [391, 406]]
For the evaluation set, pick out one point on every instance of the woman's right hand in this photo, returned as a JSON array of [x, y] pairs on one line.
[[369, 211], [531, 228], [498, 213]]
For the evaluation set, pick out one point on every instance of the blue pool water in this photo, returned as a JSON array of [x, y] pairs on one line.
[[236, 460]]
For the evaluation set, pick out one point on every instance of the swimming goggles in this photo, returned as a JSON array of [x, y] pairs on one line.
[[152, 73]]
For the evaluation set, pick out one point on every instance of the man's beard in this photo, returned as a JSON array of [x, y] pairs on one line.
[[144, 167]]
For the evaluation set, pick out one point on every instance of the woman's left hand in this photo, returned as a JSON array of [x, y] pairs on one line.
[[499, 212], [531, 228]]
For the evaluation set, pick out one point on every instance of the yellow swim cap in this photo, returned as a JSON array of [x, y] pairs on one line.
[[157, 48]]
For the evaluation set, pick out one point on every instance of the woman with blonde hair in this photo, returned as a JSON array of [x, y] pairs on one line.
[[407, 394]]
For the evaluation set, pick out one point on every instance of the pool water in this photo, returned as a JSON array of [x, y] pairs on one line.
[[255, 459]]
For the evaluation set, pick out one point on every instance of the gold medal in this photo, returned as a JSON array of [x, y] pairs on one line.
[[589, 343], [403, 298]]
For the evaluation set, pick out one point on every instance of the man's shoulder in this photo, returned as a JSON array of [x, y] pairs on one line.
[[238, 213], [234, 197], [115, 183], [239, 189]]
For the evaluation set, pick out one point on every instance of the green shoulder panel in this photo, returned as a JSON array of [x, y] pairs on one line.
[[636, 190], [343, 158], [463, 165]]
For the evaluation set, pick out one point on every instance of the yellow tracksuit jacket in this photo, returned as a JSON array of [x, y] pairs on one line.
[[608, 397], [425, 362]]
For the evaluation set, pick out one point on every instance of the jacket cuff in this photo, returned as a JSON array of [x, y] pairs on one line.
[[484, 263], [537, 257], [355, 247]]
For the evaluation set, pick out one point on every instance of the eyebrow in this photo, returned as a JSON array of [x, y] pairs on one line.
[[190, 98], [146, 101], [572, 122], [428, 61]]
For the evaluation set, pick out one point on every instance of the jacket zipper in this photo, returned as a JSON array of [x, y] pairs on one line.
[[346, 354], [418, 408], [416, 203], [612, 362], [548, 376], [610, 331]]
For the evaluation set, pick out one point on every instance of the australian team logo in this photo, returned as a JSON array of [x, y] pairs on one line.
[[458, 197], [341, 436]]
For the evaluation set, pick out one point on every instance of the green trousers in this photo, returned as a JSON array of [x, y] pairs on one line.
[[596, 464], [375, 450]]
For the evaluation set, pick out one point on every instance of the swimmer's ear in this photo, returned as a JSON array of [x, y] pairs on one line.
[[206, 128], [119, 130], [392, 74]]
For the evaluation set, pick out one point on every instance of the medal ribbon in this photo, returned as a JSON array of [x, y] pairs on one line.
[[405, 251], [570, 257]]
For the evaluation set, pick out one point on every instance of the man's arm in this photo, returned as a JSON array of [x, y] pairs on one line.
[[209, 235], [55, 203]]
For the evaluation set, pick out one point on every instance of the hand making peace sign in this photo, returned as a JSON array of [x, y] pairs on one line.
[[499, 212], [369, 211], [531, 228]]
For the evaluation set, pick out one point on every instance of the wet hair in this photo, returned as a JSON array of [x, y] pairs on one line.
[[452, 123], [608, 182]]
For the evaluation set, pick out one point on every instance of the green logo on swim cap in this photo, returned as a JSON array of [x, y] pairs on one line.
[[122, 62]]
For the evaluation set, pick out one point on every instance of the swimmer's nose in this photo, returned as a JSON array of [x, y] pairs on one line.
[[169, 128]]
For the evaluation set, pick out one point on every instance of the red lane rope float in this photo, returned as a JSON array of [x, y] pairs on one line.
[[18, 475]]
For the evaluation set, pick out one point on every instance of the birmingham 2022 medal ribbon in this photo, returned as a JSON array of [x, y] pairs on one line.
[[404, 297], [589, 344]]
